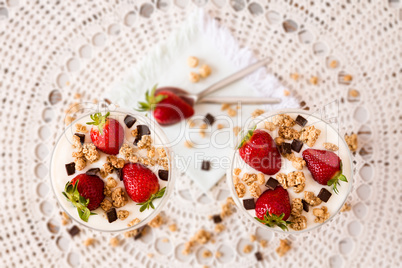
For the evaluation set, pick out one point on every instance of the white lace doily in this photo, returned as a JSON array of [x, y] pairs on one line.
[[60, 48]]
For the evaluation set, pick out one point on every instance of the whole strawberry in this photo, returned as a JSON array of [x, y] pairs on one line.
[[86, 193], [108, 135], [273, 208], [259, 151], [325, 167], [141, 184], [167, 107]]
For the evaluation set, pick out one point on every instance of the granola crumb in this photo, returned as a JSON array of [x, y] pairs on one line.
[[283, 120], [294, 76], [257, 113], [346, 207], [161, 151], [311, 199], [330, 146], [188, 247], [114, 161], [288, 133], [205, 70], [279, 140], [230, 201], [247, 248], [225, 106], [218, 254], [192, 61], [351, 142], [220, 126], [263, 243], [194, 77], [253, 238], [284, 247], [150, 255], [309, 135], [191, 123], [236, 130], [95, 101], [202, 237], [261, 178], [314, 80], [165, 240], [269, 126], [249, 178], [173, 227], [333, 64], [347, 78], [219, 228], [354, 93], [106, 204], [298, 162], [114, 242], [231, 112], [68, 120], [90, 152], [80, 163], [77, 95], [206, 254], [321, 214], [119, 198], [80, 128], [123, 214], [145, 142], [240, 189], [286, 93], [111, 183], [297, 207], [107, 192], [133, 222], [134, 132], [255, 190], [202, 133], [126, 151], [227, 208], [299, 223], [65, 219], [188, 144], [156, 222], [89, 242], [237, 171]]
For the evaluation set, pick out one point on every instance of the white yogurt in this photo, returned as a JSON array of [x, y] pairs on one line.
[[62, 155], [328, 134]]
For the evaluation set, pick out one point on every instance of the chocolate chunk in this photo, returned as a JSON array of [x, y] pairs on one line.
[[118, 172], [81, 136], [258, 256], [139, 233], [163, 174], [285, 148], [209, 119], [301, 121], [93, 171], [271, 183], [217, 218], [141, 131], [111, 215], [324, 195], [74, 231], [306, 207], [206, 165], [297, 145], [249, 203], [129, 121], [70, 168]]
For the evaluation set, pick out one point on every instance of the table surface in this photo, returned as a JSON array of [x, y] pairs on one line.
[[51, 50]]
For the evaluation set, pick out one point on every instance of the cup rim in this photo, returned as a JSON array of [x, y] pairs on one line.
[[229, 175], [170, 182]]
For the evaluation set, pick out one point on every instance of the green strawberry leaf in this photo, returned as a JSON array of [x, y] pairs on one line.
[[247, 136], [145, 205], [150, 100], [99, 120], [272, 220], [343, 178], [80, 202]]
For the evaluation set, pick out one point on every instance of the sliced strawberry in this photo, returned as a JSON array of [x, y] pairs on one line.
[[167, 107], [108, 135], [259, 151], [86, 193], [273, 208], [325, 167]]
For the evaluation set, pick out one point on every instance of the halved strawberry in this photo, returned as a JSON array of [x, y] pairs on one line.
[[273, 208], [85, 192], [259, 151], [108, 135], [167, 107], [325, 167]]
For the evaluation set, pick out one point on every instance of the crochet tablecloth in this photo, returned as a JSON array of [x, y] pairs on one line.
[[51, 50]]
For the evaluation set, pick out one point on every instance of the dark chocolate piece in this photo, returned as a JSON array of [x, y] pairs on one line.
[[81, 136], [163, 174], [297, 145], [129, 121], [285, 148], [141, 131], [111, 215], [271, 183], [206, 165], [324, 195], [139, 233], [118, 172], [93, 171], [249, 203], [306, 207], [209, 119], [70, 168], [74, 231], [301, 121], [258, 256], [217, 218]]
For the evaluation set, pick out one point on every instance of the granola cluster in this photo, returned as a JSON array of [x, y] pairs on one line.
[[283, 120], [80, 128], [309, 135], [294, 179], [257, 113], [288, 133], [156, 222], [311, 199], [351, 142], [297, 162], [201, 237], [297, 207], [119, 198], [132, 233], [284, 246], [255, 190], [330, 146], [269, 126], [299, 223], [145, 142], [321, 214]]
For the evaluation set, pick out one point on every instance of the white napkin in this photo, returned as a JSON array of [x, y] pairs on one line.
[[166, 65]]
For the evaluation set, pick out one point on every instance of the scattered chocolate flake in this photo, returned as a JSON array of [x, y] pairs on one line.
[[306, 207], [324, 195], [70, 168], [93, 171], [74, 231], [129, 121], [209, 119], [271, 183], [111, 215], [139, 233], [118, 172], [141, 131], [107, 101], [249, 203], [297, 145], [258, 256], [301, 121], [163, 174], [217, 218], [206, 165], [81, 136], [285, 148]]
